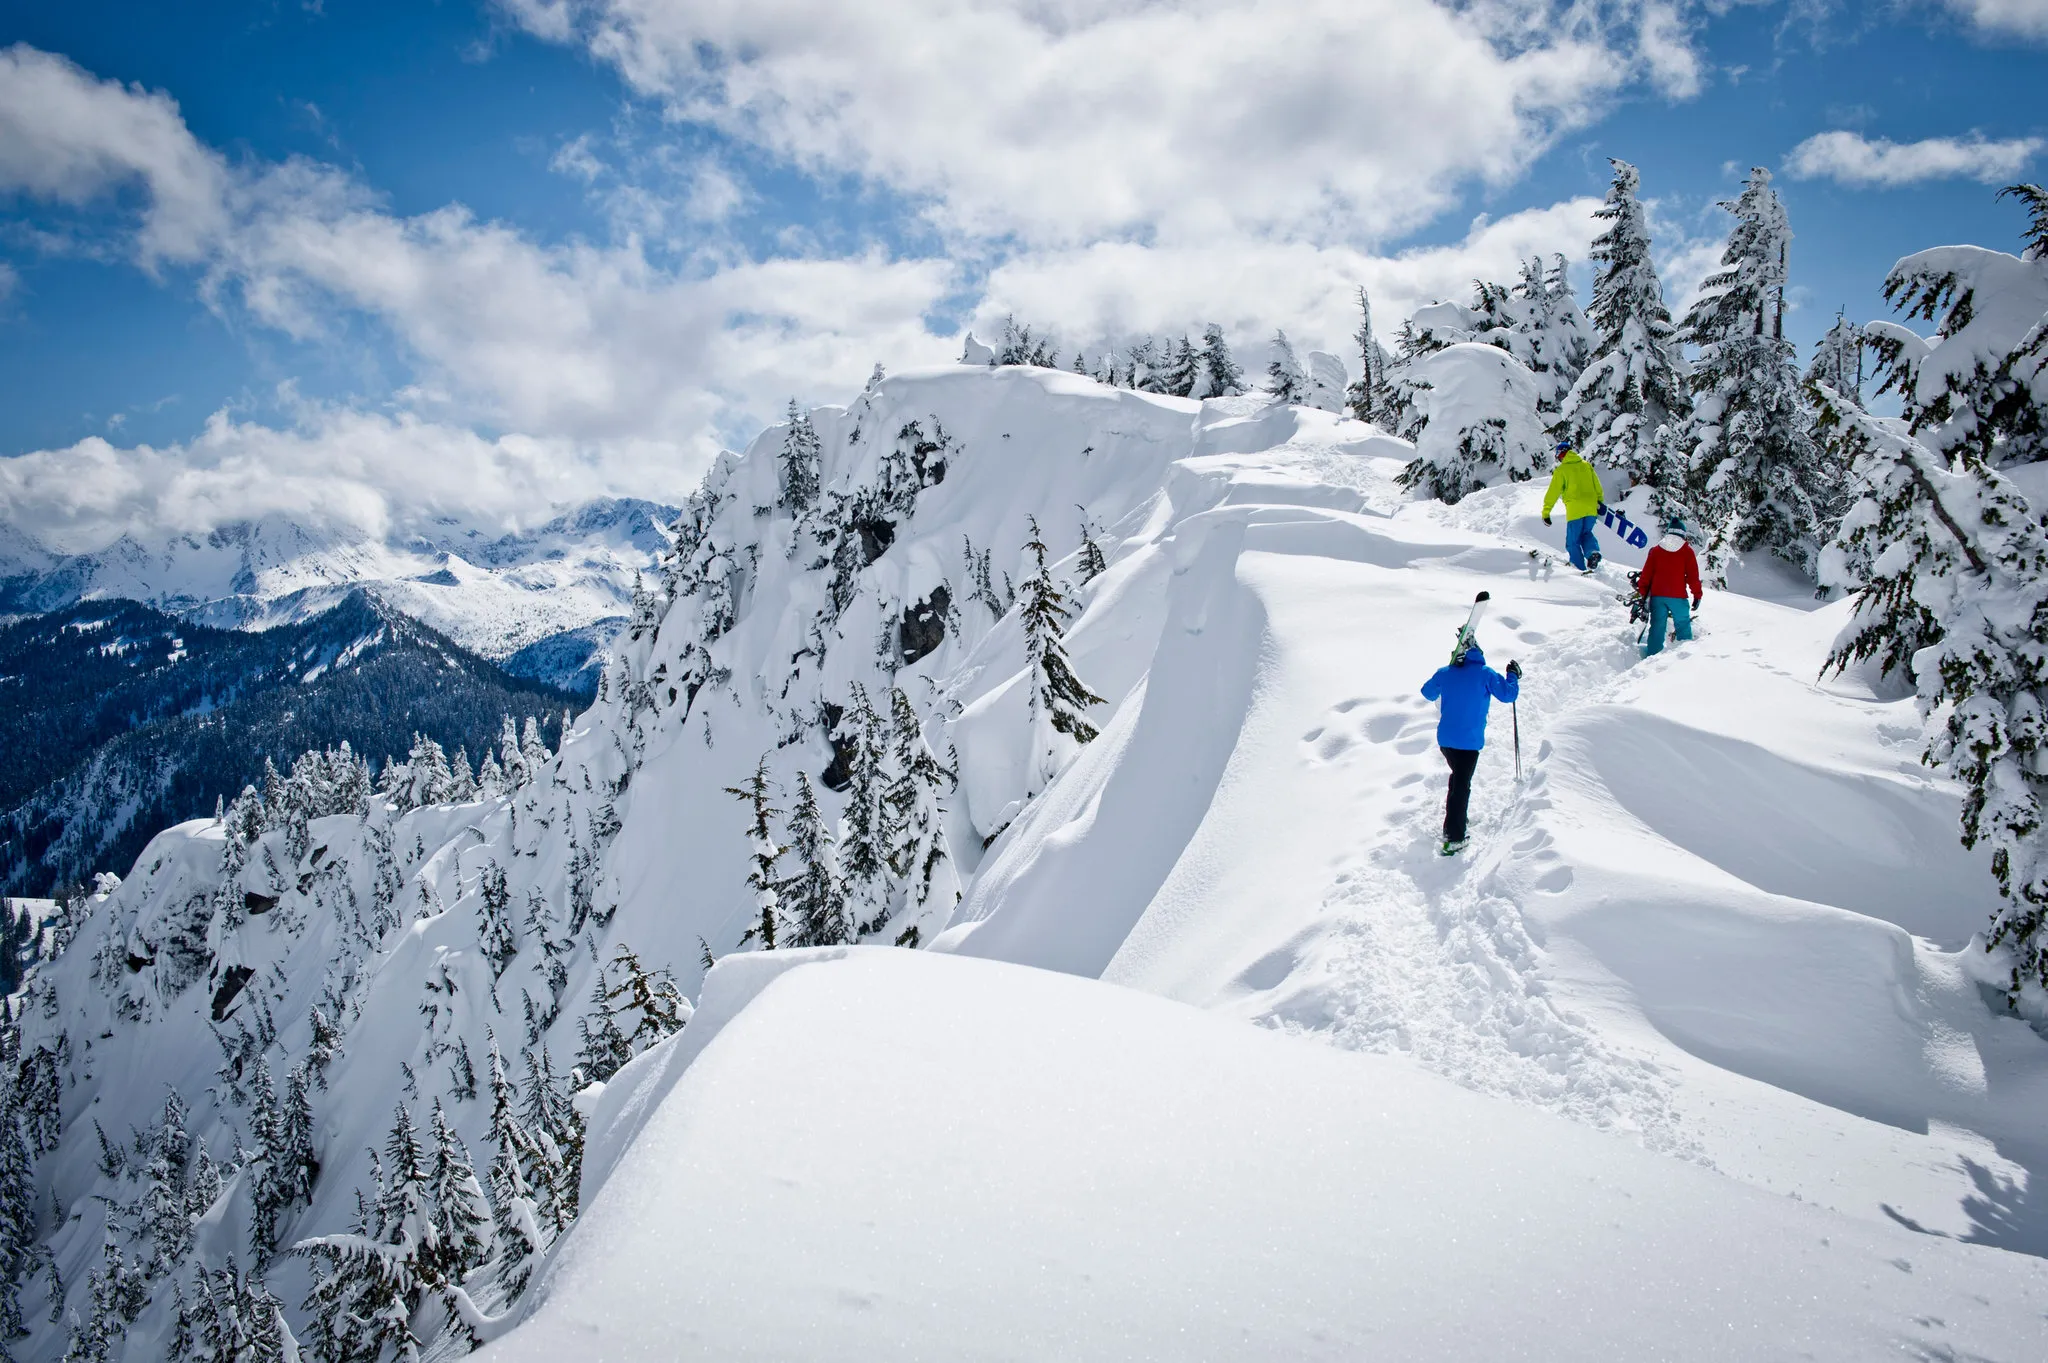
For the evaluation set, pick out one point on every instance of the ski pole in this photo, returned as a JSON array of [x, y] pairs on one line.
[[1515, 711]]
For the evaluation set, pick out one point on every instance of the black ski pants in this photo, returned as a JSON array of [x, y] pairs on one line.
[[1464, 761]]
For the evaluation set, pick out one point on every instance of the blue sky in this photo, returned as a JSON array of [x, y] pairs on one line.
[[580, 243]]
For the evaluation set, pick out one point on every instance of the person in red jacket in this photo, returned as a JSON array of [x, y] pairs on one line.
[[1668, 575]]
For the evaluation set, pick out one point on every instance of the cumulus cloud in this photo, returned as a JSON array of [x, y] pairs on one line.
[[1060, 124], [1113, 290], [339, 470], [1852, 159], [1106, 166], [2022, 18], [68, 137]]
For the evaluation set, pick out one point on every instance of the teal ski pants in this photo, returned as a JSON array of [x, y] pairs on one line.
[[1671, 609]]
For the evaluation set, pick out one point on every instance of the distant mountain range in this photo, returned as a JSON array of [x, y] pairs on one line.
[[545, 601], [117, 718]]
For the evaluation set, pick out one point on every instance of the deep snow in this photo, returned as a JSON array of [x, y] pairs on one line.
[[893, 1155], [1709, 961]]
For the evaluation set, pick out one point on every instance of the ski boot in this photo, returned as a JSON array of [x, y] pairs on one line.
[[1451, 849]]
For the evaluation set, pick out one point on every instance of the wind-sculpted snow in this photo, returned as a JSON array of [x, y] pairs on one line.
[[1655, 934]]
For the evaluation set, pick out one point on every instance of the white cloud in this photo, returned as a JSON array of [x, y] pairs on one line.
[[1852, 159], [2023, 18], [1062, 123], [67, 137], [9, 281], [340, 470], [610, 369], [1114, 290]]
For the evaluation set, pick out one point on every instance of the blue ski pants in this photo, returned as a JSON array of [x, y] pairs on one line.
[[1579, 542], [1672, 609]]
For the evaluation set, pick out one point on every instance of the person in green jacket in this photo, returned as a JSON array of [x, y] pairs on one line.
[[1579, 485]]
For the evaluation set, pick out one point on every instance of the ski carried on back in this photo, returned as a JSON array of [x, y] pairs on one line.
[[1468, 633]]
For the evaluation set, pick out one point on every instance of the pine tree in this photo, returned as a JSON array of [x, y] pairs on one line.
[[1978, 390], [917, 843], [604, 1047], [815, 914], [1838, 361], [658, 1007], [763, 853], [512, 756], [1058, 701], [551, 1119], [798, 466], [1182, 371], [1220, 376], [496, 937], [1757, 476], [164, 1203], [1960, 593], [19, 1222], [1369, 395], [863, 858], [516, 1158], [1284, 379], [464, 1233], [370, 1282], [1092, 564], [1633, 389]]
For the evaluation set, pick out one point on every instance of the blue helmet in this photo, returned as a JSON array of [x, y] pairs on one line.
[[1563, 446]]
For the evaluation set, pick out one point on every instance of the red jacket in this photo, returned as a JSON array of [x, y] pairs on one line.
[[1670, 572]]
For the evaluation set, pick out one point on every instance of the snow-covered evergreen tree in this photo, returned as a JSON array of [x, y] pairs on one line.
[[917, 790], [1633, 390], [515, 1157], [1978, 389], [496, 936], [464, 1234], [1285, 381], [763, 856], [604, 1047], [1757, 476], [1838, 361], [1370, 394], [798, 466], [1181, 372], [863, 854], [370, 1281], [1059, 702], [166, 1214], [1092, 563], [1220, 376], [550, 1118], [1960, 594], [1476, 420], [814, 910]]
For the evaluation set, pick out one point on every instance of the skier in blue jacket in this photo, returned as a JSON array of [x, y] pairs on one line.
[[1464, 692]]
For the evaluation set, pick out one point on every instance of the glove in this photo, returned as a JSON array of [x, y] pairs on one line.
[[1514, 669], [1602, 510], [1696, 602], [1546, 520]]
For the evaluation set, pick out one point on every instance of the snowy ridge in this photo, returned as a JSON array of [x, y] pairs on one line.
[[1724, 919]]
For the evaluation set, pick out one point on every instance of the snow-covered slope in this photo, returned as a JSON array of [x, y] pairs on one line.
[[900, 1155], [1722, 925], [493, 596]]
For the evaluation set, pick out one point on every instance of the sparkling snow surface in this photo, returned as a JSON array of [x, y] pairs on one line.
[[906, 1156]]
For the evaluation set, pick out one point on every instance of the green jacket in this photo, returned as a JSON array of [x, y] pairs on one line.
[[1576, 482]]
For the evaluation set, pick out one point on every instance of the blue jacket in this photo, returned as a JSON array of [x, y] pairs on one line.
[[1466, 691]]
